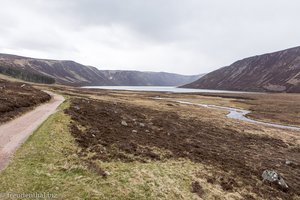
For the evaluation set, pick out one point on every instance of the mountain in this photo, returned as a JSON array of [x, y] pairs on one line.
[[64, 72], [272, 72], [71, 73], [137, 78]]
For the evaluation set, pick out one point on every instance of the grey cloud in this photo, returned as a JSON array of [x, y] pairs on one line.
[[191, 36]]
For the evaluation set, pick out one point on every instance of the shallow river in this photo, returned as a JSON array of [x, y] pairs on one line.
[[234, 113]]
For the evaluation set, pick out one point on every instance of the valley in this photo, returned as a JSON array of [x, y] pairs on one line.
[[150, 100], [126, 144]]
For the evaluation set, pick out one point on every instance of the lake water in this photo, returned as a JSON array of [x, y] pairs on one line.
[[160, 89]]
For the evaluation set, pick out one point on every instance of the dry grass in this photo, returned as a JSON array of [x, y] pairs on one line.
[[48, 162]]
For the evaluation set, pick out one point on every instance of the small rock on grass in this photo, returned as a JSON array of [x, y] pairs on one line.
[[106, 174]]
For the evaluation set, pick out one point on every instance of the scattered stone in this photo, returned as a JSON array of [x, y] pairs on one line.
[[124, 123], [106, 174], [77, 107], [197, 188], [288, 162], [142, 125], [147, 131], [291, 164], [273, 177], [134, 131]]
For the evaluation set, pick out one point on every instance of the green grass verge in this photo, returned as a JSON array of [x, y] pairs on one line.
[[48, 162]]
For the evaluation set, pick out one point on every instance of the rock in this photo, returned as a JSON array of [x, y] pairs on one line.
[[106, 174], [291, 164], [142, 125], [134, 131], [124, 123], [288, 162], [23, 85], [272, 176]]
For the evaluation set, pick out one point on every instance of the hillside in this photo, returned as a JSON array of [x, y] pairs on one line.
[[273, 72], [137, 78], [64, 72], [75, 74], [18, 98]]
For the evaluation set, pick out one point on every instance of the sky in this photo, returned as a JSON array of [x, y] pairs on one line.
[[179, 36]]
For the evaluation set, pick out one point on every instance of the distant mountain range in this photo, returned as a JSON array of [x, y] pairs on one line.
[[272, 72], [75, 74], [137, 78]]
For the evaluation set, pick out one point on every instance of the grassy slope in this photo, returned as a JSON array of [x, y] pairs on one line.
[[47, 162]]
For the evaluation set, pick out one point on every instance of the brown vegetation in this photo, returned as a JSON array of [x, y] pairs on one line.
[[133, 128], [17, 98]]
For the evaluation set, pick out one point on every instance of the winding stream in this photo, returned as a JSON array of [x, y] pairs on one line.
[[234, 113]]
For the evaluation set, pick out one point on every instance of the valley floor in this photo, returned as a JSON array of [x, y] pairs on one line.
[[126, 145]]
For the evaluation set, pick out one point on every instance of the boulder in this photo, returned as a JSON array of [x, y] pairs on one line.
[[273, 177]]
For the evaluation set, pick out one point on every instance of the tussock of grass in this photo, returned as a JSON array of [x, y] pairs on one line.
[[48, 162]]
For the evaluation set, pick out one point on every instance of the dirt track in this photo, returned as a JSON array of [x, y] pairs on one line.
[[15, 132]]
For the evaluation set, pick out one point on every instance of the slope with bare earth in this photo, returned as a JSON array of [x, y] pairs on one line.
[[274, 72], [17, 98]]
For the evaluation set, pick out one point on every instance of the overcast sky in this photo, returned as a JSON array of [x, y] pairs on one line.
[[182, 36]]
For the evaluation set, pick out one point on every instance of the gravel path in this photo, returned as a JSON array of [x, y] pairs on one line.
[[14, 133]]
